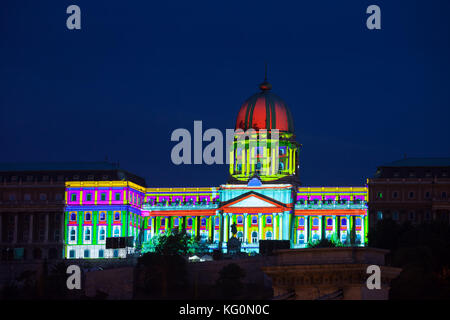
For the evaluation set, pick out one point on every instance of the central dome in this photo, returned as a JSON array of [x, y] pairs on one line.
[[265, 110]]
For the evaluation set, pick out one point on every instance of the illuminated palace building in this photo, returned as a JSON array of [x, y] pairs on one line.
[[265, 201]]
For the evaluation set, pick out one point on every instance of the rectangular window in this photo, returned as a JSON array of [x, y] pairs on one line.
[[73, 197], [117, 196], [103, 197], [88, 196]]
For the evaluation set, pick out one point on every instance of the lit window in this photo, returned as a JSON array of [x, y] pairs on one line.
[[380, 195], [190, 222], [72, 254], [73, 216], [329, 222], [301, 238], [117, 215], [87, 235], [101, 253], [103, 197], [254, 237], [379, 215], [358, 222], [87, 216], [175, 222], [116, 253], [344, 221], [203, 222], [73, 197], [239, 220], [117, 196], [268, 220], [116, 232], [268, 235], [86, 253], [217, 221], [102, 216], [163, 222], [240, 236], [73, 235], [88, 197], [102, 234], [315, 222], [301, 221]]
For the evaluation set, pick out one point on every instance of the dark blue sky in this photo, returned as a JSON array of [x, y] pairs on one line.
[[137, 70]]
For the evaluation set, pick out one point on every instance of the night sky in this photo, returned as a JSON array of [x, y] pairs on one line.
[[137, 70]]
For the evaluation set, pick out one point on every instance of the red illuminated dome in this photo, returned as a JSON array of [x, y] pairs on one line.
[[265, 110]]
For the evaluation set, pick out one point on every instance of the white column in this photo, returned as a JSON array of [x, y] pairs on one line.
[[281, 227], [46, 228], [275, 229], [30, 231], [245, 227], [16, 222], [260, 225], [225, 227]]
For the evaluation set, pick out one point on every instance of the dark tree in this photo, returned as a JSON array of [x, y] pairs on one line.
[[229, 282]]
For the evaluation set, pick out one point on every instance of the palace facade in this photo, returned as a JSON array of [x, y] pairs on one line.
[[263, 197]]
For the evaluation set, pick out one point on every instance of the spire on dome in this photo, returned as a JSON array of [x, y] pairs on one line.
[[265, 86]]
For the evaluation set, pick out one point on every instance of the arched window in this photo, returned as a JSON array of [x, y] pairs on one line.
[[189, 222], [268, 235], [217, 221], [203, 222], [281, 166], [269, 220], [88, 216], [358, 238], [254, 237], [344, 222], [117, 215], [239, 219], [301, 238], [73, 235], [254, 219], [163, 222], [175, 222], [315, 237], [315, 222], [102, 234], [301, 221], [73, 216], [102, 216], [240, 236], [358, 222], [329, 221], [87, 234], [116, 232]]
